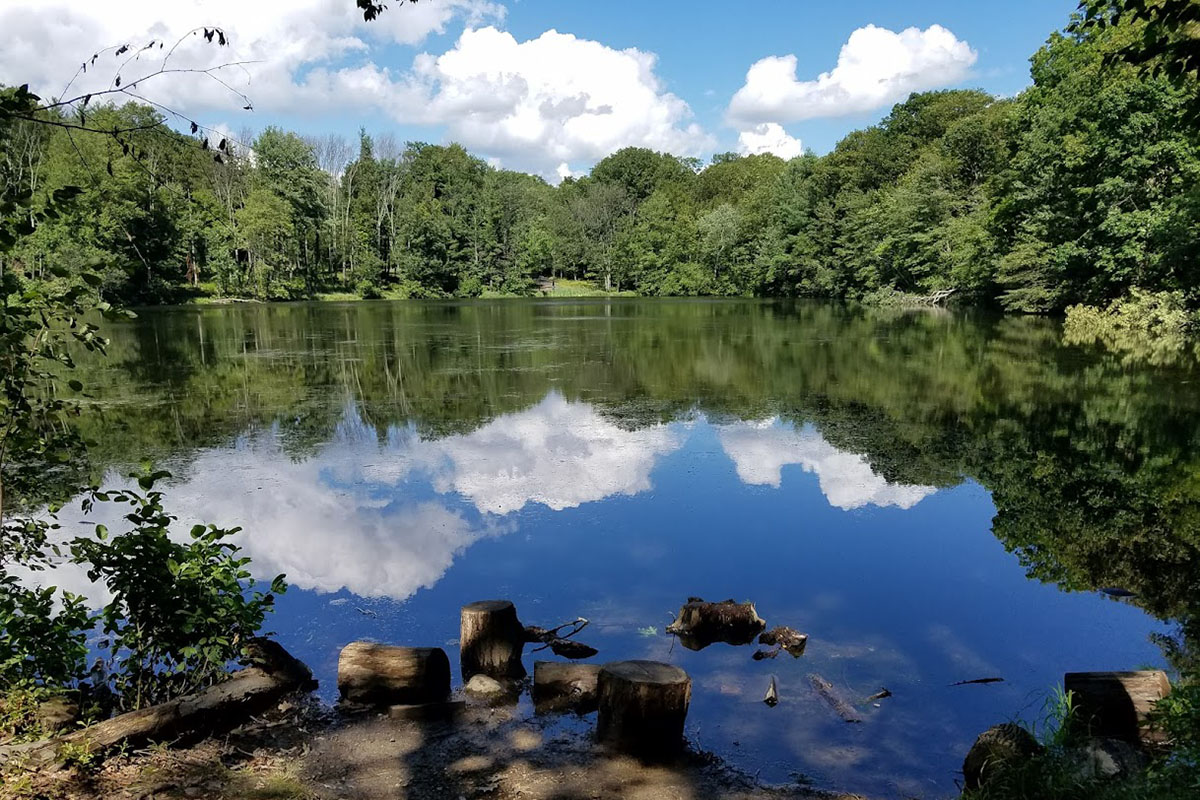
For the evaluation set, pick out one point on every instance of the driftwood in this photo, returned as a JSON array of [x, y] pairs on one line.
[[377, 674], [561, 644], [643, 706], [974, 681], [831, 696], [772, 698], [491, 640], [1117, 704], [785, 638], [546, 635], [220, 707], [700, 624], [565, 687], [573, 650], [882, 693]]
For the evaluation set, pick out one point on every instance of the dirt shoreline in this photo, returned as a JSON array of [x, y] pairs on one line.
[[303, 750]]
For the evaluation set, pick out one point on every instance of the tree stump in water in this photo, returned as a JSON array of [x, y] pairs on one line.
[[492, 639], [1117, 704], [376, 674], [643, 706], [700, 624]]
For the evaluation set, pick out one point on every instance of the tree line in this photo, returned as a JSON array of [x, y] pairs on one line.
[[1083, 187]]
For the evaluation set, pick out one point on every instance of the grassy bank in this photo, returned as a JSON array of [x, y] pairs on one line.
[[206, 294]]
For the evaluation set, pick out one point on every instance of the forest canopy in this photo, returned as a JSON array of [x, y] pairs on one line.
[[1080, 189]]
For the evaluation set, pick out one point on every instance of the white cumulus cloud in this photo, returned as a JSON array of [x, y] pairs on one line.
[[292, 52], [769, 137], [550, 104], [875, 67], [551, 101]]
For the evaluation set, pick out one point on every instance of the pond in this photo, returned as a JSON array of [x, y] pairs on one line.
[[933, 497]]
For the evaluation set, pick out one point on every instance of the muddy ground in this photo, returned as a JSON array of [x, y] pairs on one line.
[[305, 751]]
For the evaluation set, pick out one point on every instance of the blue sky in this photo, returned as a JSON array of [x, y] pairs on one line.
[[547, 86], [706, 47]]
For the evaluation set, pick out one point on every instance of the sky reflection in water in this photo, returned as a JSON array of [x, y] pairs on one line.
[[561, 509], [932, 497]]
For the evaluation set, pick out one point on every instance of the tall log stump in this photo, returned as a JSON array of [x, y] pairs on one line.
[[1117, 704], [377, 674], [492, 639], [643, 705]]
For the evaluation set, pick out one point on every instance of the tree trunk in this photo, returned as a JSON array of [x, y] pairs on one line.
[[643, 706], [1117, 704], [492, 639], [221, 707], [377, 674]]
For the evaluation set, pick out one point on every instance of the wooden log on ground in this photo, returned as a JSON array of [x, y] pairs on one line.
[[220, 707], [491, 639], [565, 687], [831, 696], [270, 656], [377, 674], [1117, 704], [642, 707], [700, 624]]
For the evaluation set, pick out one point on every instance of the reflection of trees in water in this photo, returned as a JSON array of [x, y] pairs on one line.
[[1094, 465]]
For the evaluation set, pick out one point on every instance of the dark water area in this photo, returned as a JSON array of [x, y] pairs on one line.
[[933, 497]]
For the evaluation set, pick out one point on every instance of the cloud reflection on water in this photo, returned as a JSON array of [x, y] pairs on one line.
[[557, 453], [387, 520], [760, 450]]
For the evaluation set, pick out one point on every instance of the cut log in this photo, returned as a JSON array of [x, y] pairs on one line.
[[565, 687], [377, 674], [700, 624], [1117, 704], [221, 707], [269, 656], [491, 639], [831, 696], [643, 706], [787, 638], [57, 714]]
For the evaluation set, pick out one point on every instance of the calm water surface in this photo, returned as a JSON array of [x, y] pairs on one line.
[[932, 497]]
